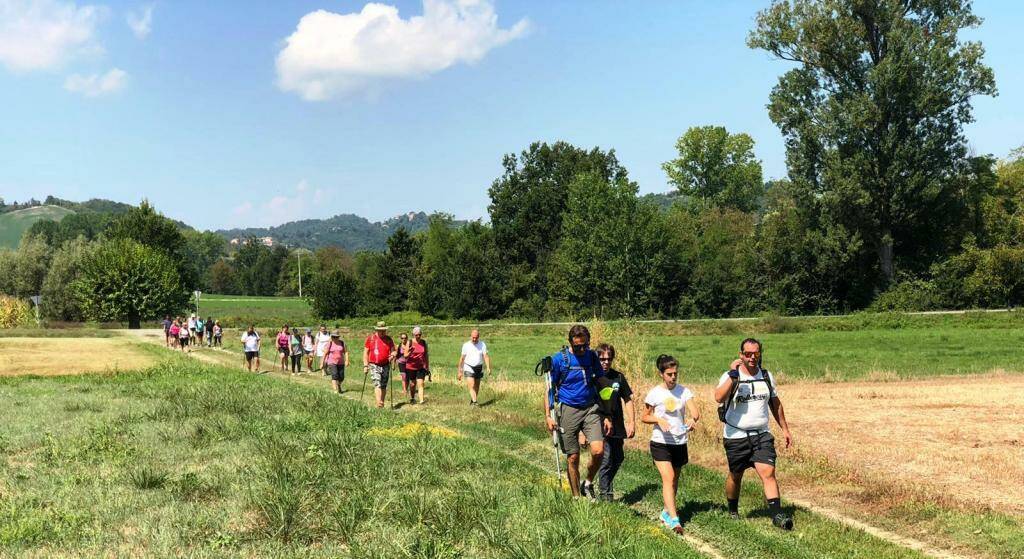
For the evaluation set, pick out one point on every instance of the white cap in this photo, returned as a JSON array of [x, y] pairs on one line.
[[416, 330]]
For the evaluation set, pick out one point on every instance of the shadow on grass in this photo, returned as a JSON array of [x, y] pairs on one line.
[[487, 403], [691, 508], [639, 493], [763, 512]]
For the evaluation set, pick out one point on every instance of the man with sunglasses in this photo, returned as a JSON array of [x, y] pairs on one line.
[[748, 393], [573, 374], [616, 397]]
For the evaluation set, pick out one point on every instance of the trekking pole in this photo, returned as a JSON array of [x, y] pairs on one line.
[[363, 390], [391, 393], [544, 368]]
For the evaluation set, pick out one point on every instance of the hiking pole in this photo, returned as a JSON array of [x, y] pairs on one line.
[[544, 368], [391, 393], [363, 390]]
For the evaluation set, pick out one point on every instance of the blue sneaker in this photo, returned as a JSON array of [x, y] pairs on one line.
[[666, 519]]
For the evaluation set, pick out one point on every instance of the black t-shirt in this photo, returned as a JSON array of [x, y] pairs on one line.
[[612, 389]]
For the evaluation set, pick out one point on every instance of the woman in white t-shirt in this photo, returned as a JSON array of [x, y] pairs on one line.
[[664, 409]]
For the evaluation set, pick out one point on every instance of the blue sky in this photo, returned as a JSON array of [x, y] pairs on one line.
[[230, 114]]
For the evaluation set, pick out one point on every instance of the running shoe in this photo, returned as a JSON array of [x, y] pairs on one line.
[[666, 519], [783, 521], [587, 490]]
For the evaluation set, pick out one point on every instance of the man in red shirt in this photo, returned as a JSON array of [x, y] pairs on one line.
[[378, 353]]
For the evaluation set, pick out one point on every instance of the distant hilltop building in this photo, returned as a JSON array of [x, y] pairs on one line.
[[267, 241]]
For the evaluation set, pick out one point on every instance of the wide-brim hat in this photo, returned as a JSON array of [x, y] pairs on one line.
[[336, 334], [381, 325]]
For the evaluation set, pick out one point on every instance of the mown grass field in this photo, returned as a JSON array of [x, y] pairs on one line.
[[239, 310], [14, 224]]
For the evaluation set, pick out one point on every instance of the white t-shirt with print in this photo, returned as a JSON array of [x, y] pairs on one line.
[[670, 405], [749, 408], [322, 339], [473, 354]]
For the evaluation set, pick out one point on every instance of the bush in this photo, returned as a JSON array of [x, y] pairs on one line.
[[982, 278], [909, 295], [14, 312]]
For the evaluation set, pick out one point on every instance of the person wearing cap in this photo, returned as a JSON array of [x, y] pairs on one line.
[[417, 364], [336, 359], [378, 353], [471, 364]]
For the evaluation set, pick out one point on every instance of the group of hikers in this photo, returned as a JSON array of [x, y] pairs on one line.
[[587, 400], [588, 396], [181, 333], [327, 352]]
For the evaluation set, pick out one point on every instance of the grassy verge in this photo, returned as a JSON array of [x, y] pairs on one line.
[[184, 459]]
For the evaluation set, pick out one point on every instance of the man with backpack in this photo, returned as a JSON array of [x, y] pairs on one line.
[[746, 394], [573, 399]]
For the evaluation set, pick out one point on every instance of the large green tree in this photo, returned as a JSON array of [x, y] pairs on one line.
[[717, 167], [124, 280], [59, 301], [527, 205], [873, 115], [146, 226]]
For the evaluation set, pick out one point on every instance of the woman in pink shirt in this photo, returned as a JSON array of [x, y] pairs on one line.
[[283, 339], [335, 360]]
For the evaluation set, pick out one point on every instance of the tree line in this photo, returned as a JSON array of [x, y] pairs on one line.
[[883, 206]]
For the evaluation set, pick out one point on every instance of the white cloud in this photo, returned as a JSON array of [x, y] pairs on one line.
[[43, 34], [332, 54], [303, 203], [96, 85], [141, 21]]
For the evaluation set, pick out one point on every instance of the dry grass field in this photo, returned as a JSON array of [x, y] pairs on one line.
[[69, 356]]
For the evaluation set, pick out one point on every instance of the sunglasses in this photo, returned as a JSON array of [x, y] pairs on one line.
[[750, 354], [604, 358]]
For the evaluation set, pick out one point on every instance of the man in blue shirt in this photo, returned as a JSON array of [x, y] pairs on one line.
[[573, 393]]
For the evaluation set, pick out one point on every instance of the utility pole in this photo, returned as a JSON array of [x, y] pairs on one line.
[[298, 256]]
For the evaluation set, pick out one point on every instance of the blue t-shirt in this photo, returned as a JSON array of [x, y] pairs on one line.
[[576, 377]]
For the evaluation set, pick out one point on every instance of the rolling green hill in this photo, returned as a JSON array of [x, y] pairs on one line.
[[14, 224]]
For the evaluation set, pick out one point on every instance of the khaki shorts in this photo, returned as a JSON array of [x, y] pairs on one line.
[[574, 421], [379, 375]]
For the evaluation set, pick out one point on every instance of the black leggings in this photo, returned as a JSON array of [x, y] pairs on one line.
[[296, 363]]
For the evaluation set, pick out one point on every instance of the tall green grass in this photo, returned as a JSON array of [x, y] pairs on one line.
[[184, 459]]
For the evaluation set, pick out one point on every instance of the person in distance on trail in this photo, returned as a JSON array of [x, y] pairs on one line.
[[284, 338], [166, 323], [664, 409], [378, 353], [295, 351], [200, 329], [573, 374], [322, 339], [218, 334], [616, 397], [173, 332], [336, 360], [471, 364], [251, 346], [192, 328], [749, 394], [308, 346], [184, 337], [417, 364], [403, 349], [209, 331]]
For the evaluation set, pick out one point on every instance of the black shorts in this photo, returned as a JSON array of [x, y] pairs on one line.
[[675, 453], [401, 367], [475, 372], [184, 341], [337, 372], [250, 354], [755, 449]]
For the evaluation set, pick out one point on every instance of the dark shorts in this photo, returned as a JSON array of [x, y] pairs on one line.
[[420, 374], [250, 354], [184, 341], [401, 367], [755, 449], [675, 453], [474, 372], [337, 372]]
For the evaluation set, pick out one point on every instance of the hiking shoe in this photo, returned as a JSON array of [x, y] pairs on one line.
[[734, 515], [473, 403], [587, 490], [666, 519], [783, 521]]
